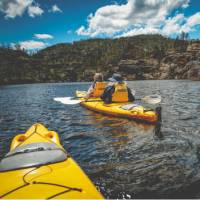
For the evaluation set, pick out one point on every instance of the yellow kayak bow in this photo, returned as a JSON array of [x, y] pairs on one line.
[[38, 167]]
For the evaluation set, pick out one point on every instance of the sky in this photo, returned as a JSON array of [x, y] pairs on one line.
[[36, 24]]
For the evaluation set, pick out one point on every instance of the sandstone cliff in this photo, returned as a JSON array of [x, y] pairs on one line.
[[139, 57]]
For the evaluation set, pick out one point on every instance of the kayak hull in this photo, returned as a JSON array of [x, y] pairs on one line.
[[137, 112], [62, 180]]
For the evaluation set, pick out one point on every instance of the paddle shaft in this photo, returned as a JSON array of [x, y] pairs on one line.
[[147, 99]]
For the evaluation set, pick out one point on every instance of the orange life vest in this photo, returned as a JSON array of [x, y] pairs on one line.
[[98, 89], [121, 93]]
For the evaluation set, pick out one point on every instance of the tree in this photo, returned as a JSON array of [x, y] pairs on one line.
[[184, 35], [17, 47]]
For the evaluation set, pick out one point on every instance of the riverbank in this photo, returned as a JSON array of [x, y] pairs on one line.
[[144, 57]]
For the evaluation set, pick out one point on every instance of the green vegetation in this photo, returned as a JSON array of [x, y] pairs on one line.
[[137, 57]]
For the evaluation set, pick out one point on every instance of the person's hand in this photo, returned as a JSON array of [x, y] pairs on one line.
[[87, 96]]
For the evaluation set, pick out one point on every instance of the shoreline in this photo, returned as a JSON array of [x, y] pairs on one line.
[[88, 82]]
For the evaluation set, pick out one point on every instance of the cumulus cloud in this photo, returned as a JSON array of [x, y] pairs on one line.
[[55, 8], [43, 36], [32, 45], [107, 20], [191, 23], [194, 20], [140, 17], [34, 11], [180, 23], [140, 31], [173, 25], [14, 8]]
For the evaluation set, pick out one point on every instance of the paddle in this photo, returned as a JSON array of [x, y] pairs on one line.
[[67, 100], [151, 99]]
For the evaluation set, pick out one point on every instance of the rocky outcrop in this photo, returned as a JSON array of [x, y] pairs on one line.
[[192, 70], [139, 57], [193, 47], [139, 69], [184, 65]]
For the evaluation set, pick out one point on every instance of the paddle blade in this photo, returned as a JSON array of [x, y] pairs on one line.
[[152, 99], [67, 100], [81, 94], [133, 92]]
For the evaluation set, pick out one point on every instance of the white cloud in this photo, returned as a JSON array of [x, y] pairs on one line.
[[14, 8], [140, 31], [55, 8], [32, 45], [173, 25], [113, 19], [194, 19], [34, 11], [43, 36], [191, 23], [82, 31]]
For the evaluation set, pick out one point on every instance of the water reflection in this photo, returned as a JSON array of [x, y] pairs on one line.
[[119, 131], [125, 159]]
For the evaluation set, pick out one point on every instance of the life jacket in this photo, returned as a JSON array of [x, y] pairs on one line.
[[98, 89], [121, 93]]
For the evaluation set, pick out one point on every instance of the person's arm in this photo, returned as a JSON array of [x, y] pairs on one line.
[[107, 94], [90, 91], [130, 95]]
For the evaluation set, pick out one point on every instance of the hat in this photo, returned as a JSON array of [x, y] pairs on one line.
[[116, 78]]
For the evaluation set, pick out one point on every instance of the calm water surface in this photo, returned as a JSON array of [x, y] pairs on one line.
[[123, 158]]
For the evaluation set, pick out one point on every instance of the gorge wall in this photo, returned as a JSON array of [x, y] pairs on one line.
[[136, 58]]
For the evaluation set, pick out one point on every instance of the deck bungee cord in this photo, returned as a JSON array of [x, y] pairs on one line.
[[38, 162]]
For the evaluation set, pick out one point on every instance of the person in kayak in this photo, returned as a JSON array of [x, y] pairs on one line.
[[117, 90], [97, 87]]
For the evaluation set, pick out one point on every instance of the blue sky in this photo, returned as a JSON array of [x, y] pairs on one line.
[[35, 24]]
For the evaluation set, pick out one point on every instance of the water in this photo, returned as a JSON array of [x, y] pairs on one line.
[[123, 158]]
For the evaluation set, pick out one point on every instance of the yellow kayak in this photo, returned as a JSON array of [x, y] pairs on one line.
[[124, 110], [38, 167]]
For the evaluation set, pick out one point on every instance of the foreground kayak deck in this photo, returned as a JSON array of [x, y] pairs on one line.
[[125, 110], [60, 180]]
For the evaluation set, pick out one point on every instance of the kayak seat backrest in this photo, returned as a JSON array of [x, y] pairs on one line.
[[32, 155]]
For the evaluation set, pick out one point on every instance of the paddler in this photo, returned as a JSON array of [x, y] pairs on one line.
[[97, 88], [117, 91]]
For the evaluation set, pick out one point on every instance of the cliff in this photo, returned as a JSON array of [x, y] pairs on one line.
[[138, 57]]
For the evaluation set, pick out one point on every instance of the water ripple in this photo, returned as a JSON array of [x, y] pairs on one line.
[[124, 159]]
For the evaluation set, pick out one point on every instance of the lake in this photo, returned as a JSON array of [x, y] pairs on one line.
[[124, 159]]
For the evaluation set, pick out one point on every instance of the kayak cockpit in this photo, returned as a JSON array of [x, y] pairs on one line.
[[32, 155]]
